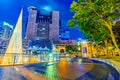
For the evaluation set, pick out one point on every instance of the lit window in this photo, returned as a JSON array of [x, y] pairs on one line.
[[43, 28], [38, 38]]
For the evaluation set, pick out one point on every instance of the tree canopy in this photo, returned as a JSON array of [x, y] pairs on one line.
[[95, 18]]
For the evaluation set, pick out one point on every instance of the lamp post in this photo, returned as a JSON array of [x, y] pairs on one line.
[[79, 44]]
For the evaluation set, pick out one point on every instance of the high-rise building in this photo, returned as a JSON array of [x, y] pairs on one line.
[[55, 26], [65, 35], [43, 22], [7, 32], [1, 32], [41, 27], [1, 29], [31, 24]]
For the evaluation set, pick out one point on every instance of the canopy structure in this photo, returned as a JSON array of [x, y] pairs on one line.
[[15, 45], [13, 54]]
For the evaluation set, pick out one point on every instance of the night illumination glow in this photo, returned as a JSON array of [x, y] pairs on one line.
[[7, 24], [13, 53], [47, 8], [15, 45], [50, 71], [84, 41]]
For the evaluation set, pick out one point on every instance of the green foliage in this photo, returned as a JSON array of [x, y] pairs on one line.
[[94, 17], [70, 48]]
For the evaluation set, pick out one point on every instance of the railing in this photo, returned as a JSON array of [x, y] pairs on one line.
[[17, 58]]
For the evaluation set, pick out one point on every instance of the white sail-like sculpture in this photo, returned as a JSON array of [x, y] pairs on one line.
[[13, 53]]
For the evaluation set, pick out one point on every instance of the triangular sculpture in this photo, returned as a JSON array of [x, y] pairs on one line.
[[13, 53]]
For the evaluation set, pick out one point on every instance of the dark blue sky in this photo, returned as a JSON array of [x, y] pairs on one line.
[[10, 9]]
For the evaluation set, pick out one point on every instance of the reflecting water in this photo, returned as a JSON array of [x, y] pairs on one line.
[[65, 69], [76, 69]]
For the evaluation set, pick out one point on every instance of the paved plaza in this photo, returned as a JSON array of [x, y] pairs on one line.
[[75, 69]]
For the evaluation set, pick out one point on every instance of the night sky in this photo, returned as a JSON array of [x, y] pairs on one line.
[[10, 9]]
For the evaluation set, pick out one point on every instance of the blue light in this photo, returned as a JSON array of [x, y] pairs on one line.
[[47, 8]]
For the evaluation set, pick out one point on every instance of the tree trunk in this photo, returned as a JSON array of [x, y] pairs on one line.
[[114, 40], [97, 54], [109, 26], [106, 48]]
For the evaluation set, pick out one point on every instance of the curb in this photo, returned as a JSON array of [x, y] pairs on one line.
[[112, 63]]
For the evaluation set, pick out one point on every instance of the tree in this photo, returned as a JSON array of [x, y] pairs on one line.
[[95, 18], [68, 48], [116, 31], [71, 49]]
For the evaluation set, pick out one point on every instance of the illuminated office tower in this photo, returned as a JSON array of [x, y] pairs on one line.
[[41, 26], [31, 24], [7, 32], [55, 26], [43, 22], [65, 35], [1, 31]]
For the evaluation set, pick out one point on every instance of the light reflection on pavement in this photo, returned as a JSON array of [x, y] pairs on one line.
[[9, 73], [63, 70]]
